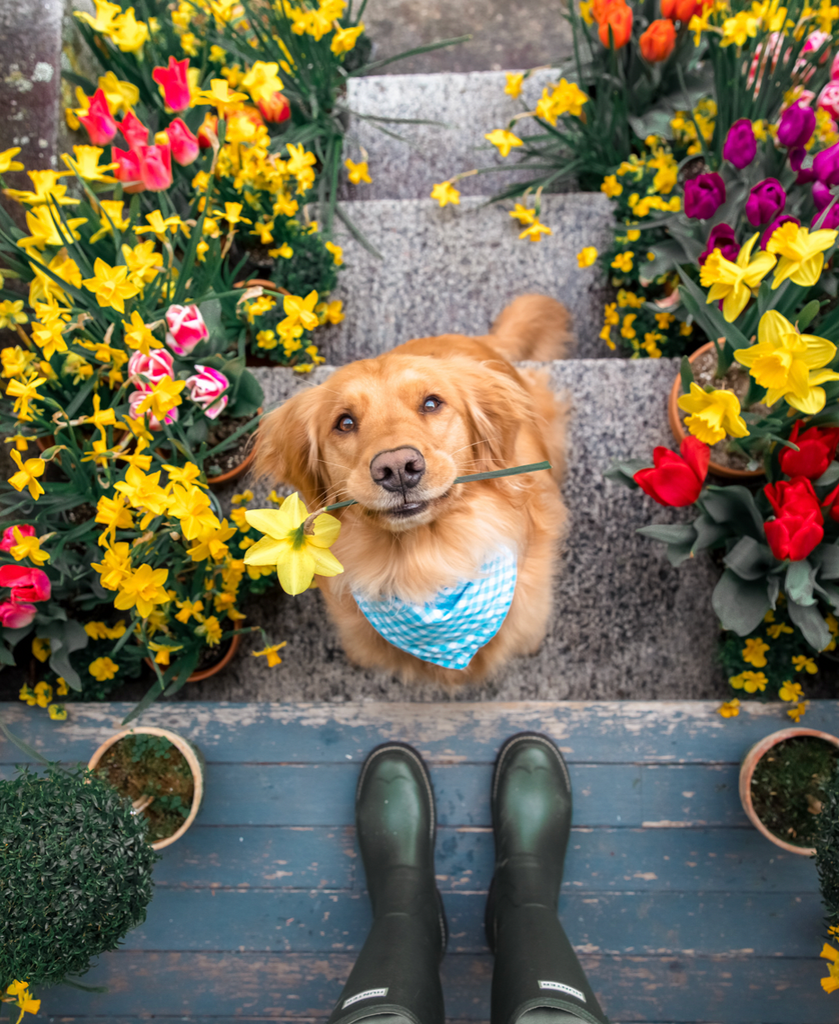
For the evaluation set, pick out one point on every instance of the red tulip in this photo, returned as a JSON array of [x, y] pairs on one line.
[[276, 109], [155, 167], [127, 169], [618, 18], [175, 84], [676, 480], [16, 615], [658, 42], [134, 131], [817, 447], [9, 540], [793, 497], [794, 536], [26, 584], [99, 122], [208, 131], [184, 145]]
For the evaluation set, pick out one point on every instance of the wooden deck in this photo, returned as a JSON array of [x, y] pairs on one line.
[[679, 910]]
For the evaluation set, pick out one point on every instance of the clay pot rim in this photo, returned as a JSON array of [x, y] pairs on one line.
[[188, 751], [199, 675], [261, 282], [678, 431], [747, 768], [239, 469]]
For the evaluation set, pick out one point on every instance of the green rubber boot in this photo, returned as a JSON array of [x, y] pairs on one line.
[[396, 976], [537, 978]]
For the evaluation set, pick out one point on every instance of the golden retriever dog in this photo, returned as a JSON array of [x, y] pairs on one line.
[[394, 433]]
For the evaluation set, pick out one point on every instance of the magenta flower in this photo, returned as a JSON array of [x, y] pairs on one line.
[[184, 144], [206, 389], [740, 146], [98, 121], [704, 195], [826, 165], [134, 400], [175, 84], [796, 126], [16, 614], [766, 200], [152, 368], [186, 328], [26, 584], [783, 219], [133, 131], [722, 237], [155, 167]]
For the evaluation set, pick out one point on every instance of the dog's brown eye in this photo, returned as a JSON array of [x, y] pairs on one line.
[[431, 403], [345, 423]]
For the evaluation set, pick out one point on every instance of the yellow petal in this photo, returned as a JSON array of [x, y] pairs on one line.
[[326, 529], [745, 253], [735, 302], [808, 272], [810, 404], [296, 571], [772, 328], [271, 521], [268, 551], [326, 564], [819, 351], [822, 376]]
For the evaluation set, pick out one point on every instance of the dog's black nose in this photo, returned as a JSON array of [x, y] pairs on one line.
[[398, 470]]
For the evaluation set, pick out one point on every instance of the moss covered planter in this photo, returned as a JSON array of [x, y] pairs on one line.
[[160, 772], [784, 780]]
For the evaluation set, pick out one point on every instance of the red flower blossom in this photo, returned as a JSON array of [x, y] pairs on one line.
[[99, 122], [175, 83], [817, 448], [676, 480], [134, 131], [26, 584], [798, 527], [793, 497]]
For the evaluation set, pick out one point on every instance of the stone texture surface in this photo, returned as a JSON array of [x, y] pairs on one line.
[[523, 34], [454, 269], [466, 107], [626, 624]]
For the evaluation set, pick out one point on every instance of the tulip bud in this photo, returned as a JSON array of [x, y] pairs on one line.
[[618, 19], [766, 200], [796, 126], [127, 169], [826, 165], [829, 99], [185, 147], [704, 195], [134, 131], [679, 10], [740, 145], [173, 80], [206, 388], [155, 167], [722, 237], [98, 121], [275, 109], [186, 328], [658, 42]]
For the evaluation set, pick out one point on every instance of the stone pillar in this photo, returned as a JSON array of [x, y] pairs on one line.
[[30, 80]]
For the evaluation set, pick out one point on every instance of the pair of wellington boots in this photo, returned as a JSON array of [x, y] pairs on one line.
[[537, 977]]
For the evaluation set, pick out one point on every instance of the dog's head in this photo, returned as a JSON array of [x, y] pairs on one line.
[[394, 433]]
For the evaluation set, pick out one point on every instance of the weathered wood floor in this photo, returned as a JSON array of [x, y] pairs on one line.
[[679, 910]]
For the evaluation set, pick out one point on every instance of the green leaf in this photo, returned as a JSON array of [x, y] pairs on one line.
[[735, 505], [798, 585], [686, 373], [678, 533], [809, 620], [826, 557], [749, 559], [624, 472], [710, 318], [65, 637], [708, 533], [740, 604], [829, 477], [808, 314]]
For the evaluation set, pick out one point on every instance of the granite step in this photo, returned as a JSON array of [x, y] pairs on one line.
[[626, 624], [453, 270], [465, 106]]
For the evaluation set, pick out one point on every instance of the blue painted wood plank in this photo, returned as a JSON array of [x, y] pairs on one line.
[[598, 860], [588, 732], [654, 990], [725, 924]]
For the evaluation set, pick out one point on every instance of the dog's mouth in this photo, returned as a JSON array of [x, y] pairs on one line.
[[407, 510]]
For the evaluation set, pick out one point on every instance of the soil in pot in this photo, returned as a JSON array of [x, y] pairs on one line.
[[143, 766], [210, 656], [736, 379], [789, 786], [230, 458]]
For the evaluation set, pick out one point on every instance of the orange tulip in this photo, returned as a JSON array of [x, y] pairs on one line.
[[658, 41], [679, 10], [599, 9], [618, 18]]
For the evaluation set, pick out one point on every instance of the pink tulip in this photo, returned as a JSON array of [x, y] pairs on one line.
[[133, 131], [815, 41], [205, 389], [127, 169], [99, 122], [186, 329], [153, 368], [829, 99], [9, 540], [184, 144], [16, 615], [155, 167], [134, 400], [175, 83], [26, 584]]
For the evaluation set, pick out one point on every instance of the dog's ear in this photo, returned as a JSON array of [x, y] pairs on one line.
[[495, 406], [287, 448]]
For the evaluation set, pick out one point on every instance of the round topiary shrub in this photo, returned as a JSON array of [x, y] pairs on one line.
[[75, 873]]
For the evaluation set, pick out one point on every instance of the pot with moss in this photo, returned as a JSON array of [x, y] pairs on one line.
[[160, 772], [76, 874], [784, 783]]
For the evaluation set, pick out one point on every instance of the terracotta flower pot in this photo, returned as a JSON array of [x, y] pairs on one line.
[[206, 673], [747, 769], [676, 426], [193, 758], [233, 474]]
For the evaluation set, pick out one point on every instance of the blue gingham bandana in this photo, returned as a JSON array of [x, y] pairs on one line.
[[449, 629]]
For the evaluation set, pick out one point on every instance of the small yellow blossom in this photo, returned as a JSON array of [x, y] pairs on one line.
[[503, 140], [749, 681], [790, 691], [358, 172], [103, 669], [802, 662], [514, 84], [754, 653], [533, 232], [271, 654], [713, 415], [586, 257], [445, 193], [731, 708], [796, 713], [611, 187], [623, 261]]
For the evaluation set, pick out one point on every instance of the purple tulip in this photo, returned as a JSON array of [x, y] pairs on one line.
[[704, 195], [766, 200], [822, 196], [826, 165], [796, 159], [740, 145], [831, 221], [783, 219], [796, 126], [722, 237]]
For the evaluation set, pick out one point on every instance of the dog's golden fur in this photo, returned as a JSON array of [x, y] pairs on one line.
[[492, 416]]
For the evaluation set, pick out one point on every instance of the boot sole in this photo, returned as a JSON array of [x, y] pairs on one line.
[[415, 755], [489, 914]]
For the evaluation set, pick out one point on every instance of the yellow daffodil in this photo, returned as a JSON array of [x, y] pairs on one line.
[[503, 140], [86, 165], [733, 282], [796, 713], [142, 588], [336, 251], [11, 313], [271, 654], [191, 506], [533, 232], [611, 187], [801, 253], [522, 214], [345, 39], [219, 96], [211, 630], [299, 310], [298, 555], [138, 335], [731, 708], [110, 285], [27, 474], [115, 565], [27, 547], [515, 81], [713, 415], [587, 257], [19, 990], [113, 514], [788, 364], [262, 81], [445, 193], [211, 544], [165, 395], [358, 172], [163, 652], [47, 228], [189, 610], [8, 162]]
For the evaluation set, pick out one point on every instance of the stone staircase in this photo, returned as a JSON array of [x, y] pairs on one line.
[[626, 624]]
